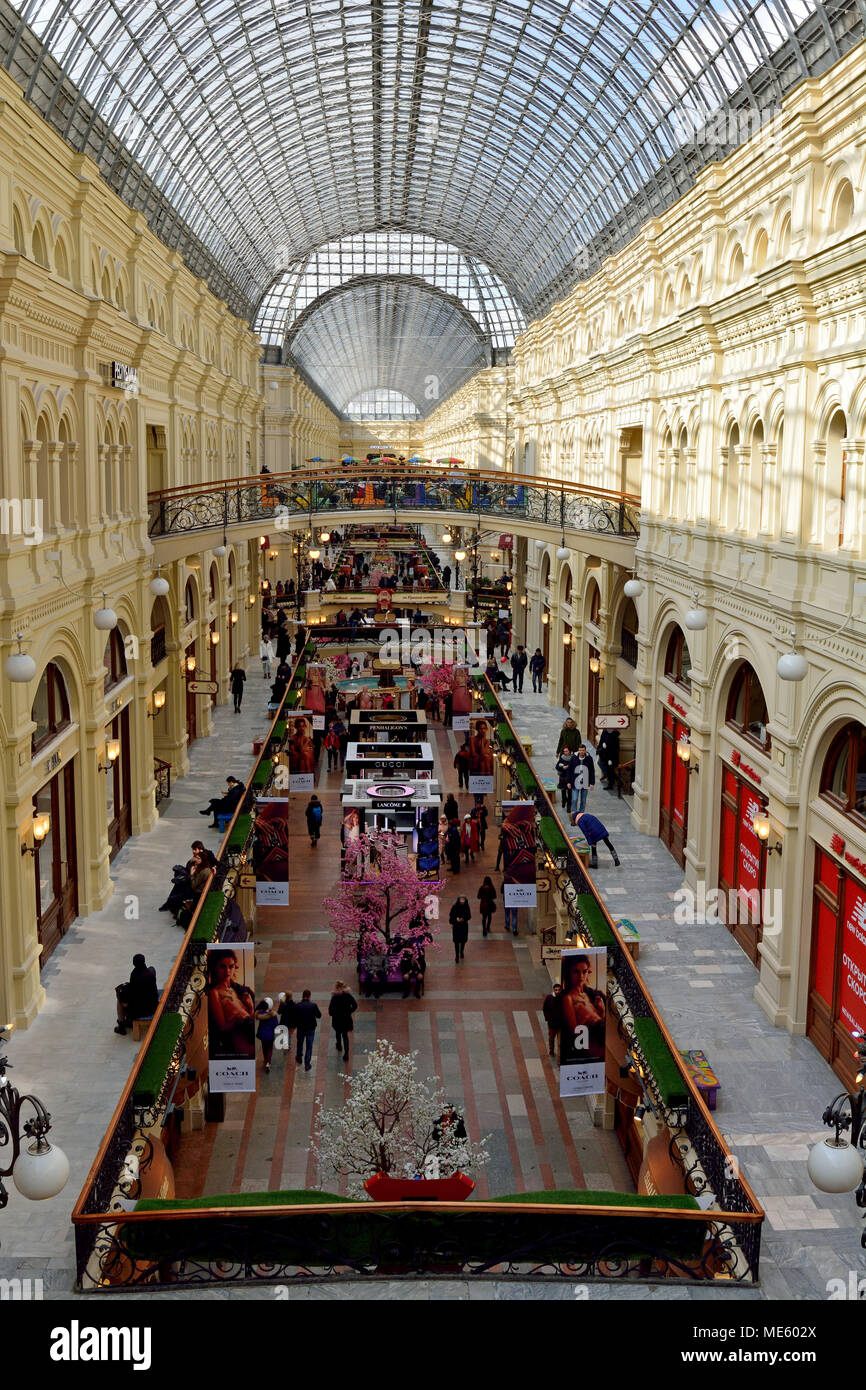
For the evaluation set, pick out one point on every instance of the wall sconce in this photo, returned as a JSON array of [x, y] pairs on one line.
[[234, 619], [112, 750], [158, 704], [263, 542], [761, 827], [545, 618], [522, 600], [631, 704], [566, 640], [272, 554], [214, 639], [508, 586], [594, 665], [252, 600], [684, 753], [266, 584], [191, 664], [41, 826]]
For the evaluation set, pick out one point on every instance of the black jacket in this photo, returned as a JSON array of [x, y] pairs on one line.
[[459, 918], [142, 995], [552, 1010], [341, 1008], [307, 1014], [287, 1013], [238, 678]]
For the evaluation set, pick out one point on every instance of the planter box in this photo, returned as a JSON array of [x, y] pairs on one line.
[[384, 1189]]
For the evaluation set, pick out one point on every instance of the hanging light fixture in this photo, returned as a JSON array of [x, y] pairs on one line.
[[446, 538], [190, 664], [563, 552], [792, 665], [105, 618], [214, 637], [20, 667], [221, 549], [314, 554], [594, 665], [539, 545], [158, 586], [460, 556], [696, 617], [632, 588], [324, 537]]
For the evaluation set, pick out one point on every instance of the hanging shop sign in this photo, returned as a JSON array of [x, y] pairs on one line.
[[583, 1004], [124, 377], [518, 840], [612, 721], [480, 756], [202, 687], [230, 1010], [271, 851]]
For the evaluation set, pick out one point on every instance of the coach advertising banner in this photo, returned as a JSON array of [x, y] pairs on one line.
[[314, 689], [230, 1012], [518, 854], [461, 699], [301, 750], [480, 756], [271, 850], [583, 1006]]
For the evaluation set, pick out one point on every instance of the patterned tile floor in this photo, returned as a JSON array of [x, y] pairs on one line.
[[774, 1087]]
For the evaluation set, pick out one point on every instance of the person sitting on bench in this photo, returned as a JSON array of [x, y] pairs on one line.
[[224, 805], [138, 997]]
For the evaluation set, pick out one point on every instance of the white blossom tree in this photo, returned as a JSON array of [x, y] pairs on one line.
[[392, 1123]]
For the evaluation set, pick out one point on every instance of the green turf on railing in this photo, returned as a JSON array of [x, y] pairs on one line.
[[287, 1198], [299, 677], [669, 1078], [503, 733], [527, 779], [489, 700], [240, 833], [151, 1078], [589, 1198], [552, 837], [208, 919], [262, 774], [596, 922]]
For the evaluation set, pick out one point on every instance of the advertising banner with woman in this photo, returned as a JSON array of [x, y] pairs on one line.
[[230, 1010], [271, 851], [461, 699], [583, 1010], [314, 691], [518, 853], [480, 756], [301, 751]]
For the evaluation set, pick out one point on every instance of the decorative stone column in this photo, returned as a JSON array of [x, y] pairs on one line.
[[814, 512], [855, 501], [768, 520]]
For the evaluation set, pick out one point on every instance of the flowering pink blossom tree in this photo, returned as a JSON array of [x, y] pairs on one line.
[[437, 680], [381, 898]]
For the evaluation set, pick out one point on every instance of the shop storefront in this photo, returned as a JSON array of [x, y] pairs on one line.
[[118, 797], [837, 972], [674, 786], [189, 674], [742, 858], [55, 861]]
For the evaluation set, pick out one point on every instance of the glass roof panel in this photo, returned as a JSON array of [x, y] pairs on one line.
[[515, 130]]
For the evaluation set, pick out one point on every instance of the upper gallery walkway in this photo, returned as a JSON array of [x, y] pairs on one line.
[[600, 521]]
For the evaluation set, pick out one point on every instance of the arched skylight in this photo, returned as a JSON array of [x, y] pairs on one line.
[[382, 404]]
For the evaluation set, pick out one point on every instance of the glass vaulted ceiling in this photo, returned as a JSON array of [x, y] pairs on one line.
[[387, 334], [536, 135]]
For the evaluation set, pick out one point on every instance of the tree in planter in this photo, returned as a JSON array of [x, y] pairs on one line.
[[391, 1123], [382, 904], [437, 680]]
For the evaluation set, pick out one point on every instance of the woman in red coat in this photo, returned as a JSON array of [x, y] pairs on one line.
[[469, 838]]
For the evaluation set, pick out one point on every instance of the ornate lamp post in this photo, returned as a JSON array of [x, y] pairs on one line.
[[38, 1168], [836, 1164]]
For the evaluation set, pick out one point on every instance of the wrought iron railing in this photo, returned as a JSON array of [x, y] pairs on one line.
[[157, 647], [476, 497]]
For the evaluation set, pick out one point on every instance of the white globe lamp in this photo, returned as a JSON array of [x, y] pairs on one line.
[[105, 618], [696, 617], [835, 1166], [41, 1170], [632, 588], [792, 665], [20, 667]]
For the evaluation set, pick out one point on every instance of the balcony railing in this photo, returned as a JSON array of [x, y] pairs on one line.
[[157, 646], [476, 497], [162, 778], [628, 647]]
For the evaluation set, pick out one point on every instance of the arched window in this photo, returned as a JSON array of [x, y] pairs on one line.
[[843, 206], [50, 711], [566, 593], [736, 270], [61, 259], [545, 571], [843, 777], [594, 603], [759, 253], [628, 634], [231, 571], [114, 660], [214, 582], [747, 708], [190, 601], [40, 250], [678, 660], [18, 233]]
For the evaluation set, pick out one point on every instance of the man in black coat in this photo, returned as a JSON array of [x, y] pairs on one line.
[[342, 1006], [607, 754], [137, 998], [307, 1014], [224, 805], [519, 663], [552, 1010]]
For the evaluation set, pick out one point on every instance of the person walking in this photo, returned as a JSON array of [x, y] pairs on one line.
[[536, 670], [452, 846], [308, 1015], [592, 830], [469, 838], [486, 903], [266, 1017], [267, 654], [238, 678], [583, 769], [332, 745], [340, 1010], [461, 762], [288, 1015], [569, 737], [501, 850], [511, 920], [519, 663], [450, 810], [552, 1010], [313, 814], [459, 917], [480, 813], [607, 753], [565, 765]]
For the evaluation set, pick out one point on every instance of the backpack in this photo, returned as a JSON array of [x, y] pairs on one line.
[[316, 814]]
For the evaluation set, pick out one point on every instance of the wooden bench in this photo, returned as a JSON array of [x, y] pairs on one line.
[[702, 1074], [630, 935], [141, 1025]]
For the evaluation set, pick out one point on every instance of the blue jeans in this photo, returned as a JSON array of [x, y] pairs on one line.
[[578, 800], [305, 1044], [511, 919]]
